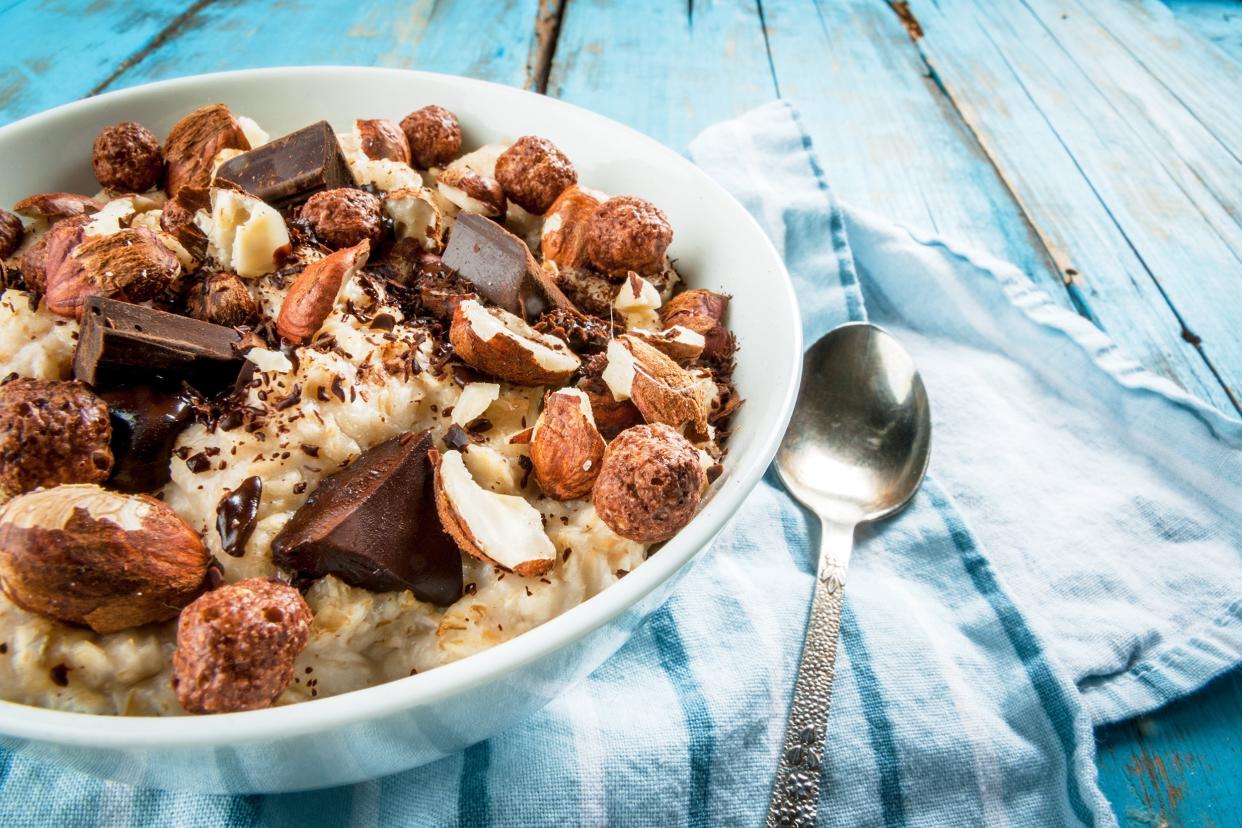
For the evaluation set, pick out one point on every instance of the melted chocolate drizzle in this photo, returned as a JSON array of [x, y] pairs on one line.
[[236, 513]]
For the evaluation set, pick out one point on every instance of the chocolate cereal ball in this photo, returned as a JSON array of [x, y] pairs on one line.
[[52, 432], [650, 484], [127, 158], [533, 172], [434, 134], [628, 233], [344, 216]]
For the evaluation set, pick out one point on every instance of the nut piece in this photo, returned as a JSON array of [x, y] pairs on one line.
[[678, 343], [534, 172], [612, 416], [50, 208], [501, 344], [585, 335], [11, 234], [661, 389], [702, 311], [51, 432], [131, 265], [380, 138], [236, 646], [587, 289], [344, 217], [434, 135], [497, 528], [628, 233], [195, 141], [650, 484], [313, 293], [565, 447], [127, 158], [473, 192], [563, 237], [223, 299], [50, 251], [82, 554], [177, 220], [244, 234], [414, 215]]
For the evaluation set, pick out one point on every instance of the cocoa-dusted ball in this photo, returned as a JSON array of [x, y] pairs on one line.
[[344, 217], [127, 158], [628, 233], [236, 646], [434, 134], [11, 234], [534, 172], [650, 484], [52, 432]]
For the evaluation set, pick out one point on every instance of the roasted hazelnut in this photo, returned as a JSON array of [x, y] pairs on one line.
[[132, 265], [344, 217], [434, 135], [702, 311], [236, 646], [177, 219], [51, 432], [628, 233], [82, 554], [195, 141], [612, 416], [650, 484], [472, 191], [588, 290], [223, 299], [533, 173], [382, 139], [11, 233], [50, 208], [127, 158]]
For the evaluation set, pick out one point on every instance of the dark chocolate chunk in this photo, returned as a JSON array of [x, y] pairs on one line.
[[125, 344], [501, 267], [374, 525], [145, 425], [291, 169], [235, 515]]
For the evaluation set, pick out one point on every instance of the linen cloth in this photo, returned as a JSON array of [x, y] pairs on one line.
[[1073, 559]]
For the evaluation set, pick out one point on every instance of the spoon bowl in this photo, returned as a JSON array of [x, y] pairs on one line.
[[856, 450]]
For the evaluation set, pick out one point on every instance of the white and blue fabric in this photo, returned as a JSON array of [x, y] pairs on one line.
[[1075, 558]]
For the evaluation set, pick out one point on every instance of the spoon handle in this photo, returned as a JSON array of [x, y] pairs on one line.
[[795, 793]]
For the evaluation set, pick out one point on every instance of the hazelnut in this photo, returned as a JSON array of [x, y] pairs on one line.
[[82, 554], [702, 311], [177, 220], [562, 239], [236, 646], [434, 135], [472, 191], [51, 432], [501, 344], [382, 139], [628, 233], [415, 215], [52, 248], [195, 141], [587, 289], [344, 217], [533, 172], [650, 484], [661, 389], [11, 233], [127, 158], [612, 416], [565, 446], [223, 299], [130, 264], [53, 207]]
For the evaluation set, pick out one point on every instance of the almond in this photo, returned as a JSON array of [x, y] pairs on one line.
[[84, 555], [313, 293], [497, 528], [195, 141], [566, 448], [663, 391], [501, 344]]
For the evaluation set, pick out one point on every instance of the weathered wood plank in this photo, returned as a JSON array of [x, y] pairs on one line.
[[1180, 767], [667, 69], [56, 52], [1107, 209], [454, 37], [889, 140], [1218, 21]]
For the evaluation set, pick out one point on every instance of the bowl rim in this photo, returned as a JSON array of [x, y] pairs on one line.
[[120, 732]]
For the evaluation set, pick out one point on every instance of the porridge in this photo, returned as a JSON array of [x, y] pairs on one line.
[[282, 419]]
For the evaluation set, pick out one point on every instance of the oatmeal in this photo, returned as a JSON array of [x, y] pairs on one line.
[[330, 410]]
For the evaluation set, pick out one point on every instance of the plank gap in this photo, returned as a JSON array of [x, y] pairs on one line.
[[543, 48], [767, 47], [173, 28]]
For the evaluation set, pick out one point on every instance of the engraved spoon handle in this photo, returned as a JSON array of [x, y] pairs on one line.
[[795, 793]]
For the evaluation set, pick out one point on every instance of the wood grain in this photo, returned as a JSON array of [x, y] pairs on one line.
[[1217, 21]]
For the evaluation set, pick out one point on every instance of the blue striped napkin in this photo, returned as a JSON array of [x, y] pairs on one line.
[[1071, 561]]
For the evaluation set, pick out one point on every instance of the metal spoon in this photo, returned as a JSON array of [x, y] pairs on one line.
[[856, 450]]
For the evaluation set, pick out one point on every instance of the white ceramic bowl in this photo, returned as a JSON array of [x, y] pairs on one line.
[[405, 723]]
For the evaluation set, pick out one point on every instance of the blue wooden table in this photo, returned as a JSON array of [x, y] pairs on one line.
[[1096, 143]]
